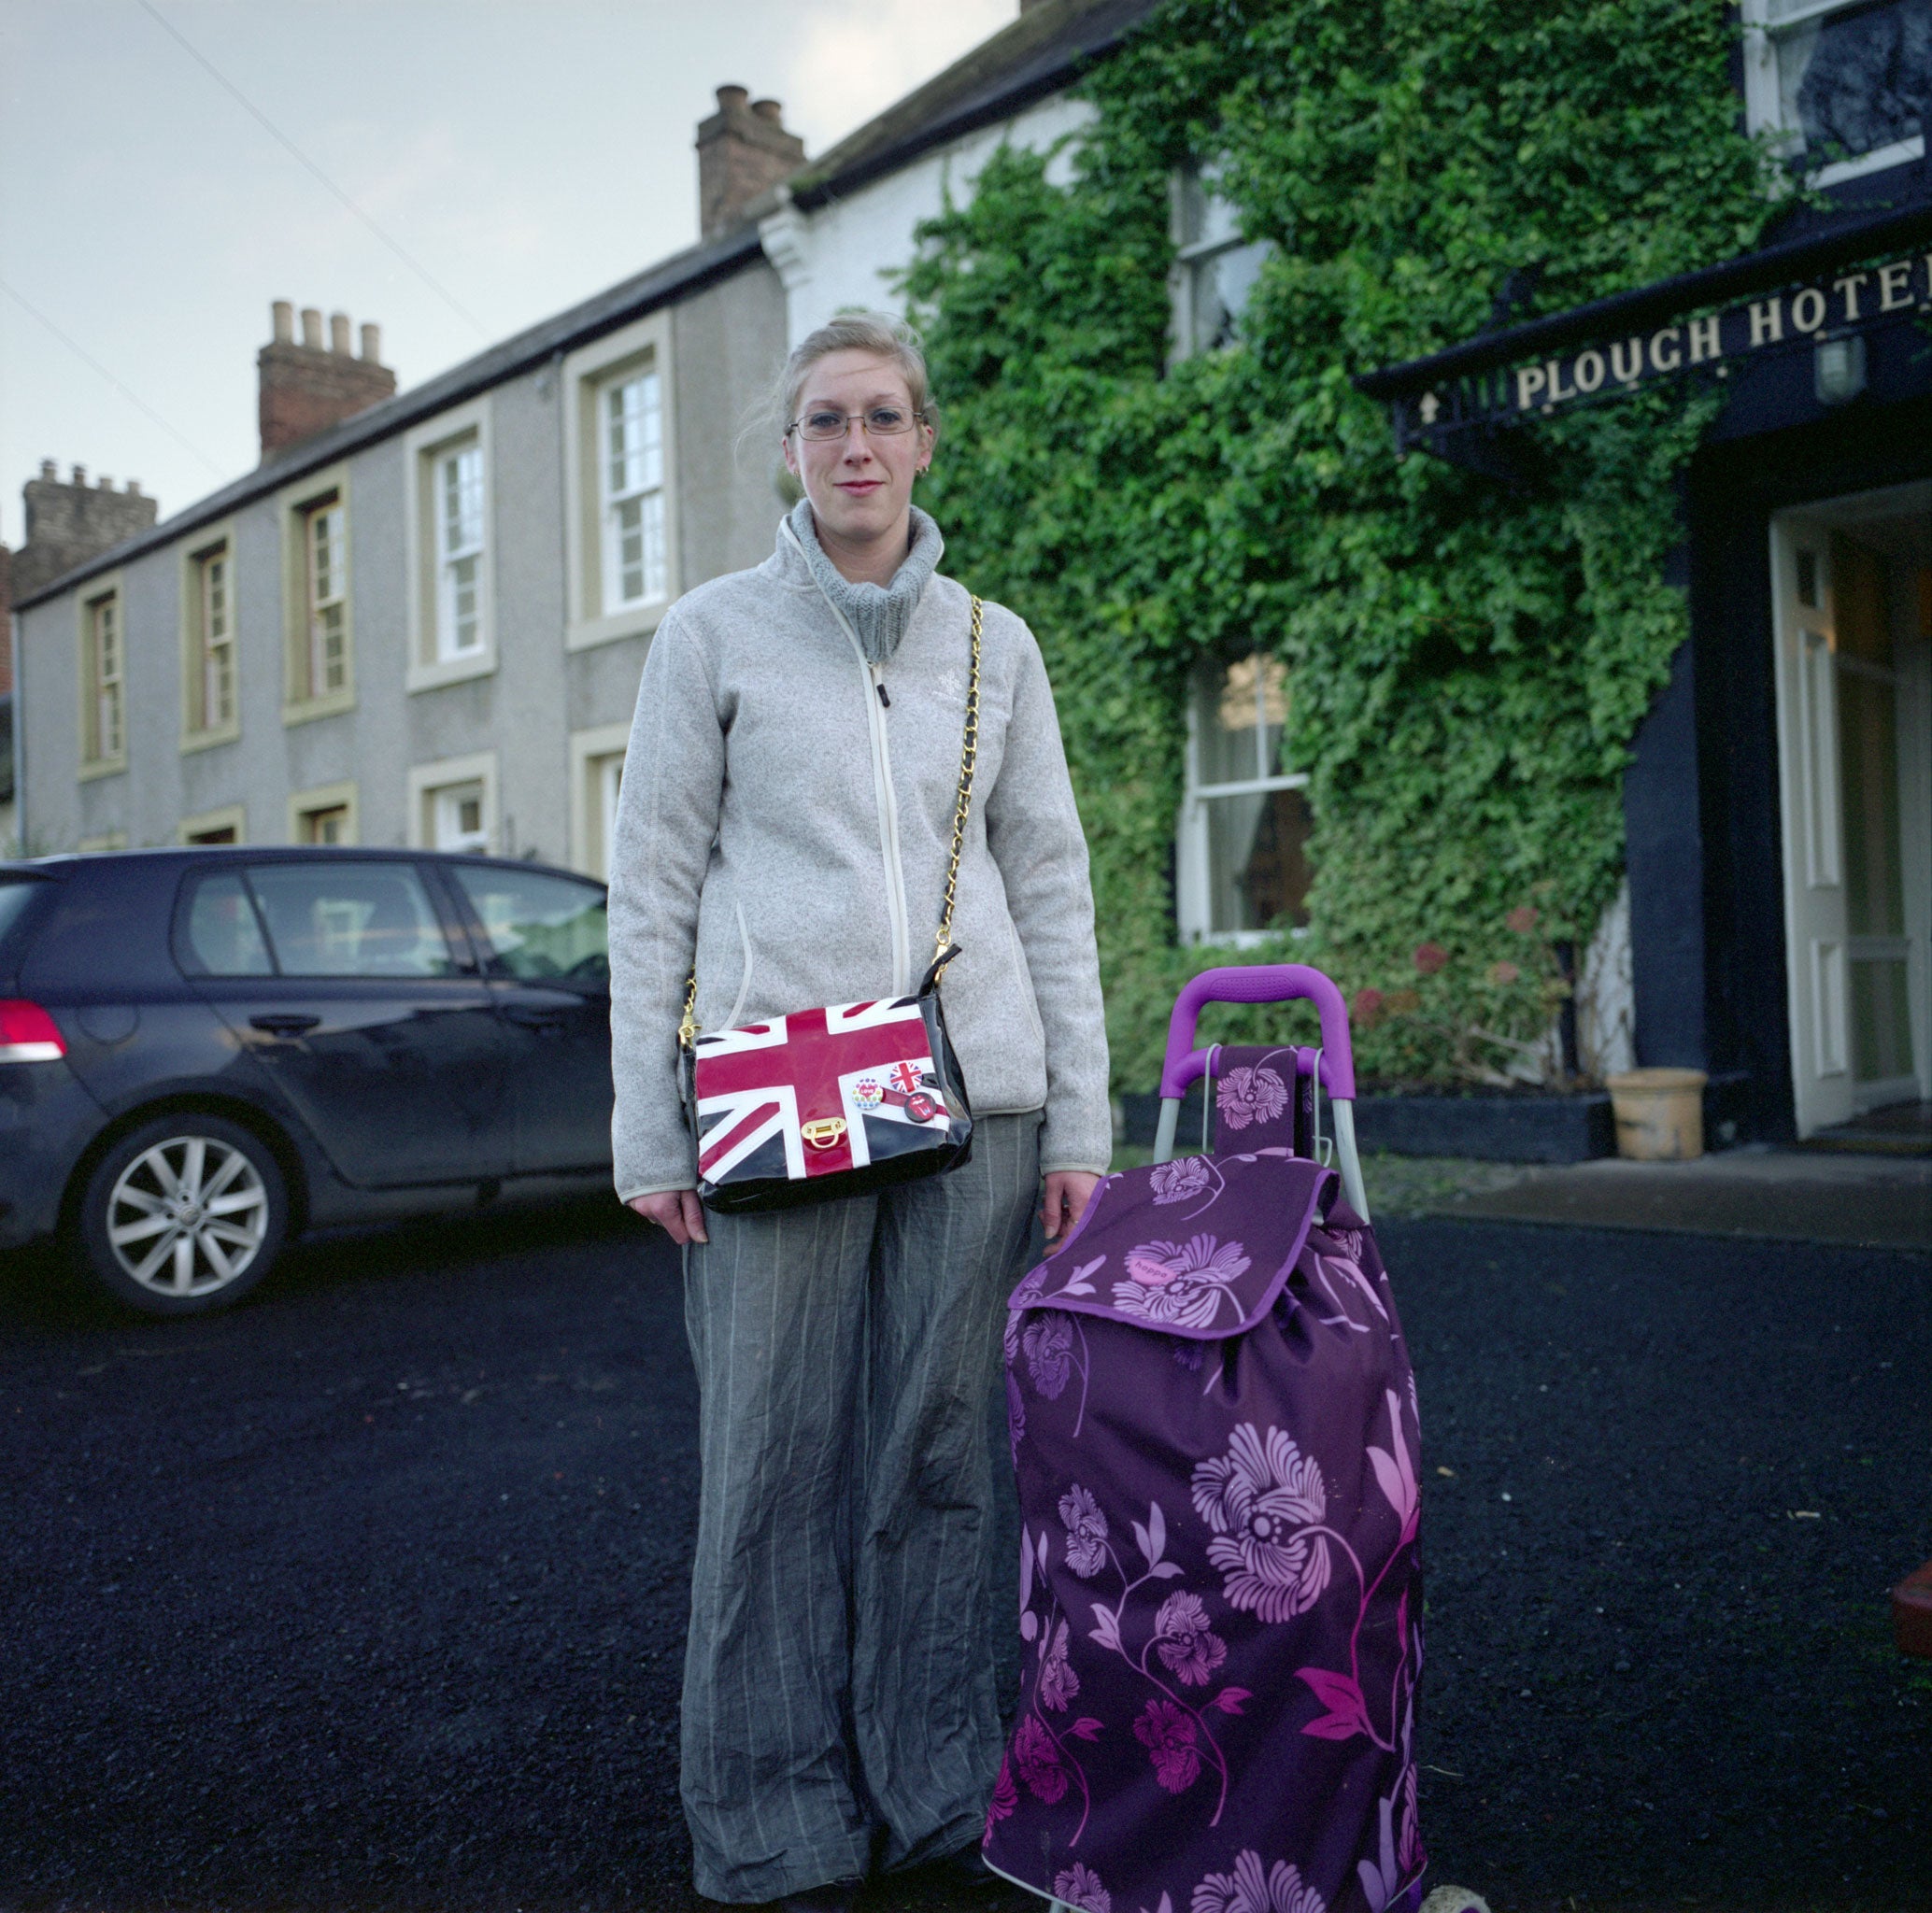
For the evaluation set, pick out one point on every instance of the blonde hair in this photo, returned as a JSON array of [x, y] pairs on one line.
[[876, 332]]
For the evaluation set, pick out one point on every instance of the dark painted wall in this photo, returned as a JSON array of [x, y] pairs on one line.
[[1734, 486]]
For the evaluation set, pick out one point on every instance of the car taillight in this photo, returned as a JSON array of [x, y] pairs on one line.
[[28, 1034]]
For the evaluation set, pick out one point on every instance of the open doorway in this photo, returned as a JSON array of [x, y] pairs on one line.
[[1852, 591]]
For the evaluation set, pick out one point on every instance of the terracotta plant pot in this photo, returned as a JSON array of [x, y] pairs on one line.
[[1659, 1115]]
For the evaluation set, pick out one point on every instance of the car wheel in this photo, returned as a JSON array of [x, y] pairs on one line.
[[184, 1214]]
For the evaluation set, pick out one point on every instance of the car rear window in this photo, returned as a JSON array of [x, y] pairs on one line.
[[16, 893], [543, 927], [359, 918]]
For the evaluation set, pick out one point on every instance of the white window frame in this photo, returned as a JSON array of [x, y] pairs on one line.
[[594, 616], [201, 724], [101, 755], [324, 797], [303, 646], [428, 783], [1193, 899], [325, 591], [1191, 254], [433, 658], [595, 755], [1764, 104]]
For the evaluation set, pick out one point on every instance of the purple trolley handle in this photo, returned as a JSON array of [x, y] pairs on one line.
[[1266, 982]]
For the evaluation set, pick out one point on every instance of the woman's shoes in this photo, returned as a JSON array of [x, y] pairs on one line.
[[838, 1896]]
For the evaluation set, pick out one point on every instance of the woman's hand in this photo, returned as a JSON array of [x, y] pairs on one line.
[[676, 1212], [1067, 1193]]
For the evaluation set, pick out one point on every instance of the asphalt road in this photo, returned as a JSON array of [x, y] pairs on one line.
[[370, 1593]]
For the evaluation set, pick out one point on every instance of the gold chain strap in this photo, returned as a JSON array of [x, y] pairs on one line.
[[968, 759], [687, 1023]]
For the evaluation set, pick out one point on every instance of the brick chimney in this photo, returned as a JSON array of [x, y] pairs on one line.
[[308, 387], [743, 150], [71, 521]]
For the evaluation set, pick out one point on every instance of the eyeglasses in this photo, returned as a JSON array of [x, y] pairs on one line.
[[822, 425]]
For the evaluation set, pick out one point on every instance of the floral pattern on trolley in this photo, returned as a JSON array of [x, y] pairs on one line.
[[1215, 1435]]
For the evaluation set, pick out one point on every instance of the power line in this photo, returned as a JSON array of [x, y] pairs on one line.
[[127, 392], [447, 297]]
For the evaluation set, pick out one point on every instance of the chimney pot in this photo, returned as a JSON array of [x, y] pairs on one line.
[[50, 471], [284, 316], [303, 392], [134, 487], [104, 483], [743, 153], [80, 475]]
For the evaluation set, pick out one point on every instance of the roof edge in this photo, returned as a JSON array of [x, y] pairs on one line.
[[685, 272], [829, 176]]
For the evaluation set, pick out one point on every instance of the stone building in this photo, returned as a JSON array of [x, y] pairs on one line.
[[423, 618], [68, 522]]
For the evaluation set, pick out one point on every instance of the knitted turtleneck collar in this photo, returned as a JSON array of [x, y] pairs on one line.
[[878, 614]]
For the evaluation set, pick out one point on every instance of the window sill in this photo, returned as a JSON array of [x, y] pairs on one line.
[[312, 708], [101, 767], [430, 678], [192, 741], [1899, 153], [1240, 939], [633, 621]]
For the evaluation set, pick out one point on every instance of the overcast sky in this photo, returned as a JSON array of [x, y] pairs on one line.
[[524, 153]]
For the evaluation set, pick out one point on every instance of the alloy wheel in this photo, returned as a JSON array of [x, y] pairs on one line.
[[187, 1215]]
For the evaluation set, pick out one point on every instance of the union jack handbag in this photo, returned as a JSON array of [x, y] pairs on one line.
[[839, 1101]]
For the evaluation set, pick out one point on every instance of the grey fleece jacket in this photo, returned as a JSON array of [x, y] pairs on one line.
[[790, 827]]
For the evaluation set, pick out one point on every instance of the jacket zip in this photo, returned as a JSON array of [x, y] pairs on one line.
[[883, 791]]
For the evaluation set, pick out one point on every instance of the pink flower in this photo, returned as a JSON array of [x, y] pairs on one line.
[[1430, 958], [1183, 1285], [1504, 974], [1521, 919], [1049, 1343], [1174, 1182], [1250, 1096], [1079, 1886], [1005, 1798], [1086, 1531], [1168, 1735], [1058, 1683], [1183, 1642], [1368, 1006], [1249, 1890], [1256, 1499], [1039, 1761]]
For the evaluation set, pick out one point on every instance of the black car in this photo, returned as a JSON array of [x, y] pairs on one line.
[[204, 1051]]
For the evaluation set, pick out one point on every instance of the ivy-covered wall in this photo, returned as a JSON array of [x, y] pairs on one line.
[[1467, 665]]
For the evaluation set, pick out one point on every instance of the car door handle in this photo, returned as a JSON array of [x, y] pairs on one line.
[[529, 1016], [280, 1023]]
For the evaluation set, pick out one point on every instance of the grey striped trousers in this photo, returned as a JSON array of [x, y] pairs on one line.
[[838, 1684]]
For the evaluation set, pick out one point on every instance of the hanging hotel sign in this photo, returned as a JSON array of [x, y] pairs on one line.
[[1830, 315]]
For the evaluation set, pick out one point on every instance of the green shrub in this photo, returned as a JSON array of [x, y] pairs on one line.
[[1468, 664]]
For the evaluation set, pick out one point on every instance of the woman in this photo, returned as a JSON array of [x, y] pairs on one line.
[[786, 823]]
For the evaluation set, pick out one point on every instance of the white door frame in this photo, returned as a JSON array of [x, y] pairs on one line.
[[1818, 949]]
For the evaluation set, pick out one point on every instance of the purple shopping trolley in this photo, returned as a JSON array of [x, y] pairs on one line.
[[1214, 1431]]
